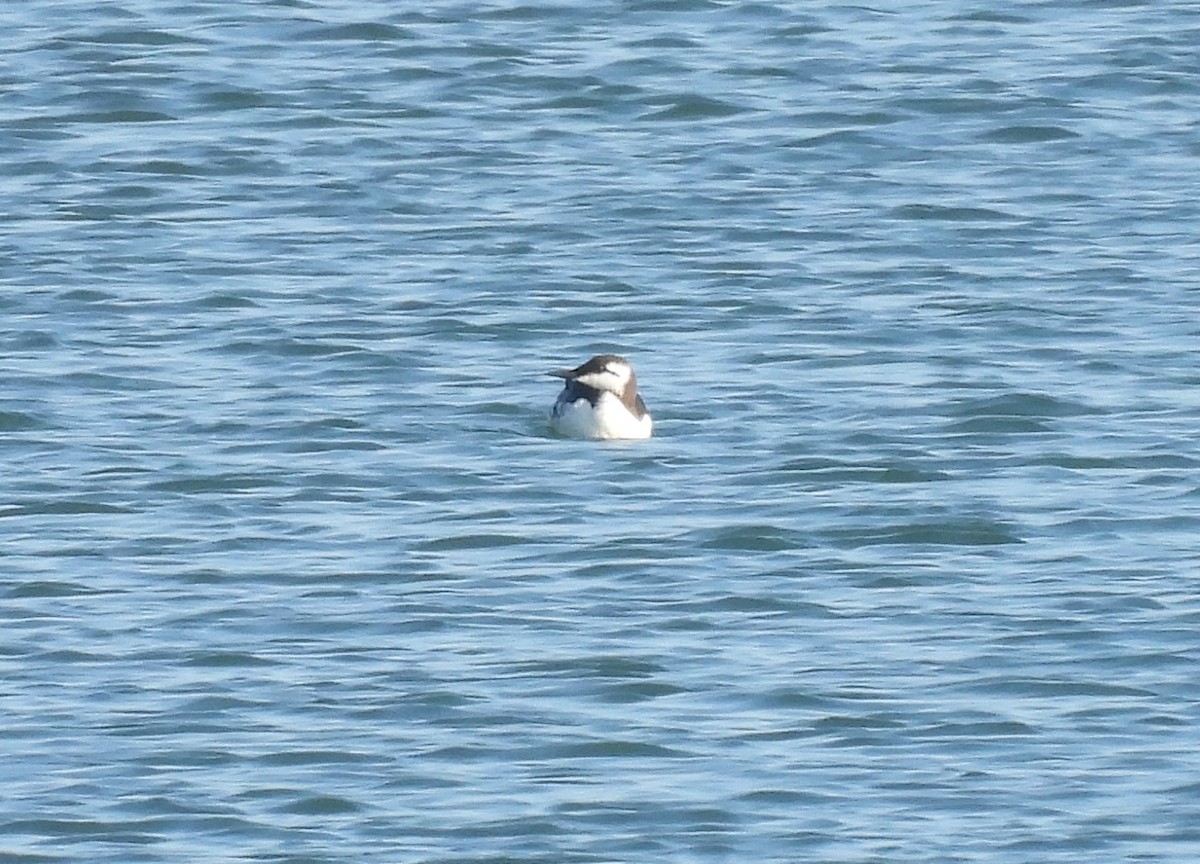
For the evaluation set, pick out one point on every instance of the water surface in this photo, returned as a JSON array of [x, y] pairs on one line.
[[294, 572]]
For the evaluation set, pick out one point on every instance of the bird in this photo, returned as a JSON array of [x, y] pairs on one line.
[[600, 400]]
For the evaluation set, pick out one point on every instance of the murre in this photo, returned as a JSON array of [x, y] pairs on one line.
[[600, 400]]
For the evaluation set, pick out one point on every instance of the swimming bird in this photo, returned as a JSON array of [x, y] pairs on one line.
[[600, 400]]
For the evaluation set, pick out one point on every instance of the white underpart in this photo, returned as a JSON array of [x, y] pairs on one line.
[[613, 378], [608, 419]]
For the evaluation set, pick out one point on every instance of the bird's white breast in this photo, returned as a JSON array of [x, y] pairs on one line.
[[608, 418]]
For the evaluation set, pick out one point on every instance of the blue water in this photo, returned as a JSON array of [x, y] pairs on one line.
[[293, 571]]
